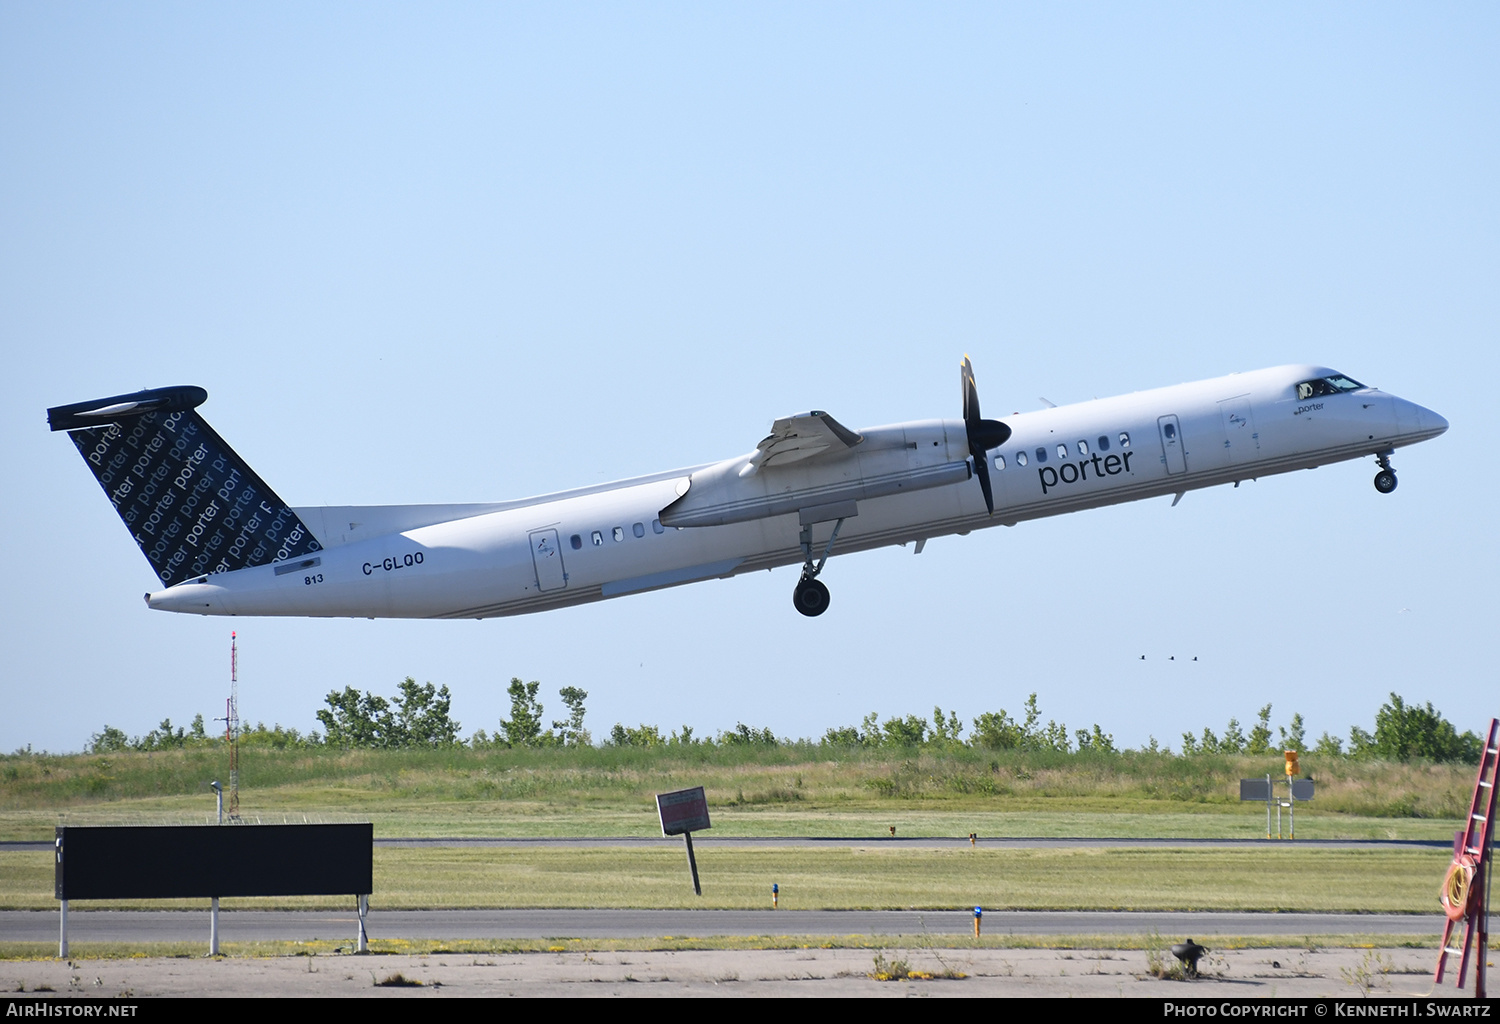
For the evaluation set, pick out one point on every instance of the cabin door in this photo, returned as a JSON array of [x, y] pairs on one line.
[[1241, 440], [1172, 451], [546, 556]]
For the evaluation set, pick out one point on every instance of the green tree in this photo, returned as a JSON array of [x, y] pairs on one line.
[[945, 732], [1054, 737], [997, 731], [354, 719], [1234, 740], [162, 738], [571, 732], [109, 741], [643, 736], [1329, 746], [422, 718], [1034, 737], [1402, 733], [1096, 741], [744, 736], [1029, 727], [1260, 736], [1294, 738], [524, 727], [904, 732], [866, 734], [844, 736], [277, 738]]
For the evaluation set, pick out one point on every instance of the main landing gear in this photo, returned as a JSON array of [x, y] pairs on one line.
[[1385, 480], [810, 596]]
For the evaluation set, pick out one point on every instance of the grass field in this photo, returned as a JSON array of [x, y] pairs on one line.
[[1269, 879], [794, 790]]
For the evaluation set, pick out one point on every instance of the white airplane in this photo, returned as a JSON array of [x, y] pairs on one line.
[[223, 543]]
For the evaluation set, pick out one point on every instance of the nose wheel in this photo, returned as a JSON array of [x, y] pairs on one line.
[[811, 597], [1385, 480]]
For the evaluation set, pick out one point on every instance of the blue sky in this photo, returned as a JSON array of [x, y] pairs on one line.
[[474, 252]]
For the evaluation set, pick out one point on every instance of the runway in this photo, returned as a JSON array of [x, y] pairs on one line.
[[895, 842]]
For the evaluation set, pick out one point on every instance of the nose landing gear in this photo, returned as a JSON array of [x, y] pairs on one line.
[[1385, 480], [810, 596]]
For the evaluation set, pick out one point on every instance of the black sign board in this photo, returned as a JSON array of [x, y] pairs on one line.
[[178, 861], [1255, 789], [682, 812]]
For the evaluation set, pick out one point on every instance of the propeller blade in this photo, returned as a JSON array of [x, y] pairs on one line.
[[970, 392], [982, 470], [983, 435]]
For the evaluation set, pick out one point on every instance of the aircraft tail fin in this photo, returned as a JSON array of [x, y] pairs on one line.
[[189, 501]]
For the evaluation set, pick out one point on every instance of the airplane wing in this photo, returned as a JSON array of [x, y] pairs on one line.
[[794, 438]]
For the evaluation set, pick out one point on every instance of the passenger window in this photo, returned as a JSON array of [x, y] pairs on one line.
[[598, 538], [1083, 447], [619, 534], [1104, 442], [1041, 455], [1020, 458], [657, 527], [999, 461], [576, 541], [1062, 451], [639, 529], [1124, 439]]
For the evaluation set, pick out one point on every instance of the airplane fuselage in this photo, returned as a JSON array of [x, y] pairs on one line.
[[899, 484]]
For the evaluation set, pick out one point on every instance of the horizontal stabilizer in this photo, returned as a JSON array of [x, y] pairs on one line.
[[189, 501], [112, 410]]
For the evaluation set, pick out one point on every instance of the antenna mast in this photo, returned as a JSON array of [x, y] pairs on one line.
[[232, 729]]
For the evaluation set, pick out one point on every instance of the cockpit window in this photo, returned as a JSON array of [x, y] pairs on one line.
[[1334, 385]]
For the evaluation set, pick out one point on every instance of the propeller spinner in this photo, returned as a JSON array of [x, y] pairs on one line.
[[984, 435]]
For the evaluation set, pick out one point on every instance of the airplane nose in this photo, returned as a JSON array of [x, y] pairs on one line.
[[1413, 419], [1431, 421]]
